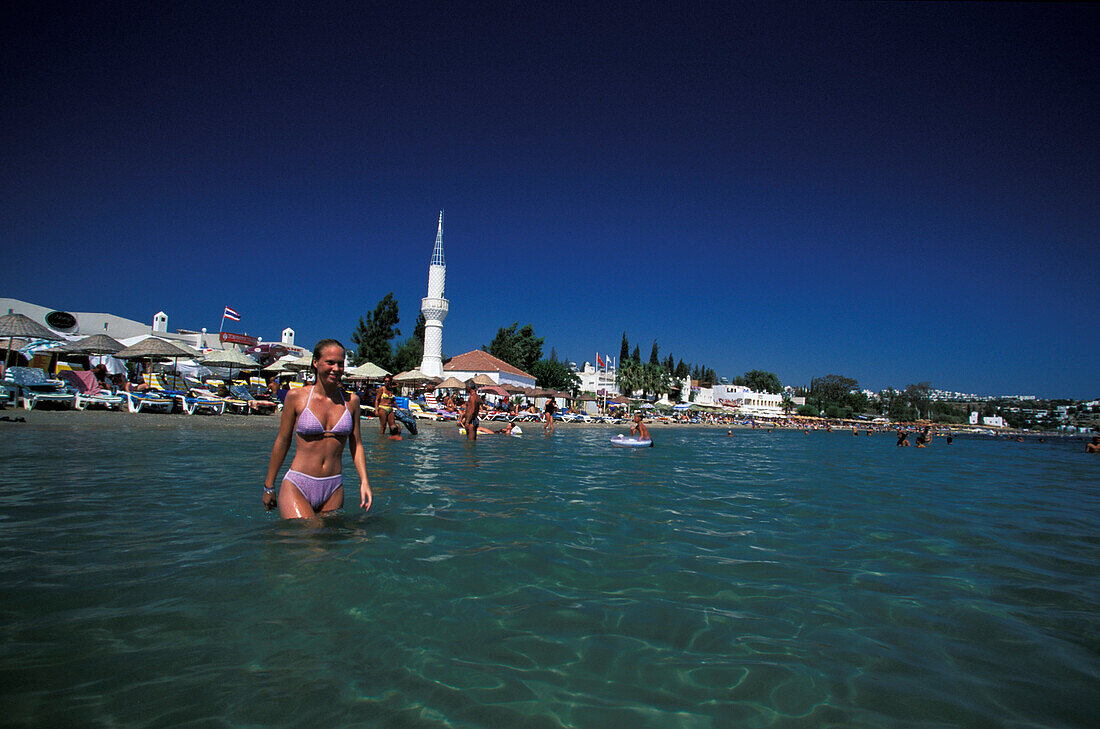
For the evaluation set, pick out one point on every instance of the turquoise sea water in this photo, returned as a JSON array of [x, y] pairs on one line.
[[763, 580]]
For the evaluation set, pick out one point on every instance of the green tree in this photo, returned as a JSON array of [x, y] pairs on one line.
[[637, 356], [761, 381], [919, 397], [654, 354], [788, 404], [517, 346], [372, 336], [831, 388], [624, 351], [418, 330], [682, 370], [669, 364], [628, 377], [653, 380], [408, 355], [555, 374]]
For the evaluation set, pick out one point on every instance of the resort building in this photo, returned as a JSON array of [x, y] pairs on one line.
[[747, 401], [77, 324], [597, 381], [470, 365], [435, 308]]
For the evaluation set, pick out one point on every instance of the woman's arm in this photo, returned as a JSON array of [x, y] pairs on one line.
[[355, 445], [281, 447]]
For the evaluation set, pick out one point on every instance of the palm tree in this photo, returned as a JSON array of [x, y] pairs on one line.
[[628, 377]]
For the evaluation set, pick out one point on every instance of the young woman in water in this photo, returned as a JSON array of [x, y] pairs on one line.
[[323, 421], [384, 401]]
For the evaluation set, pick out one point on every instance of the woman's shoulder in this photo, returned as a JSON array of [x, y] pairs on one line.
[[297, 395]]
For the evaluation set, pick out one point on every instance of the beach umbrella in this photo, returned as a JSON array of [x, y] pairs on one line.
[[366, 371], [451, 383], [513, 389], [230, 358], [155, 348], [95, 344], [304, 362], [495, 389], [279, 366], [408, 378], [19, 325], [484, 381]]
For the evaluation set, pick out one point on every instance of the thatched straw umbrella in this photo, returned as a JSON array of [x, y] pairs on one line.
[[230, 358], [366, 371], [18, 325], [95, 344]]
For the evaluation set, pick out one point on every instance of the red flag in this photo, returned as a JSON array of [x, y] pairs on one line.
[[599, 362]]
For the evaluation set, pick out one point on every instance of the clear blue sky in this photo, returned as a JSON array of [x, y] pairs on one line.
[[895, 192]]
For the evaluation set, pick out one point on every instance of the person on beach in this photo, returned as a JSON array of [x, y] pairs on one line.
[[1094, 446], [925, 437], [639, 428], [383, 405], [323, 422], [469, 419], [548, 416]]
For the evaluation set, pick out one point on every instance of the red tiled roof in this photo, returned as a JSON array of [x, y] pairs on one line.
[[479, 361]]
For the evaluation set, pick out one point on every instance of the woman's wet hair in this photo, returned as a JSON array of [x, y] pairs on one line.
[[322, 346]]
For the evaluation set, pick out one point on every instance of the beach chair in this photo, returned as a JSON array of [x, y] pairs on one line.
[[152, 400], [88, 391], [233, 404], [9, 395], [36, 389], [420, 413], [263, 407]]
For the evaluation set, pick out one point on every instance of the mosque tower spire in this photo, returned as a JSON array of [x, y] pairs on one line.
[[435, 308]]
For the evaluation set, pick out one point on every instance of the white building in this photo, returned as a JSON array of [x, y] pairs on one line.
[[470, 365], [747, 401], [594, 379], [995, 421], [435, 308]]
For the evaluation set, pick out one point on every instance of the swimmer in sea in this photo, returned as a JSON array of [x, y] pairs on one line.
[[321, 421], [469, 419], [548, 416], [925, 436], [383, 405], [903, 439], [639, 428], [1094, 446]]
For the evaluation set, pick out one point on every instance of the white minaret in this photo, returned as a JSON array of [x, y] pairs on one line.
[[435, 308]]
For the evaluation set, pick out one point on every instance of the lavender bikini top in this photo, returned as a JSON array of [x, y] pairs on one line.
[[308, 424]]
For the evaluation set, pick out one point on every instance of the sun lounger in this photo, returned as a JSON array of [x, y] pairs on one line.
[[9, 395], [264, 407], [36, 389], [138, 401], [88, 391]]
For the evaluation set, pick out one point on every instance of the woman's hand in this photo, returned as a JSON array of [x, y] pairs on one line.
[[366, 496], [270, 502]]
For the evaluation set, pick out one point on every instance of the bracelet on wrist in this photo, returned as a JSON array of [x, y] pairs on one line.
[[270, 491]]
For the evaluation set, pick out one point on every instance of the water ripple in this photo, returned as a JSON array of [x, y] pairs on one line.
[[765, 579]]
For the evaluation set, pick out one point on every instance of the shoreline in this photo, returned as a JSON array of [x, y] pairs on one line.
[[98, 418]]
